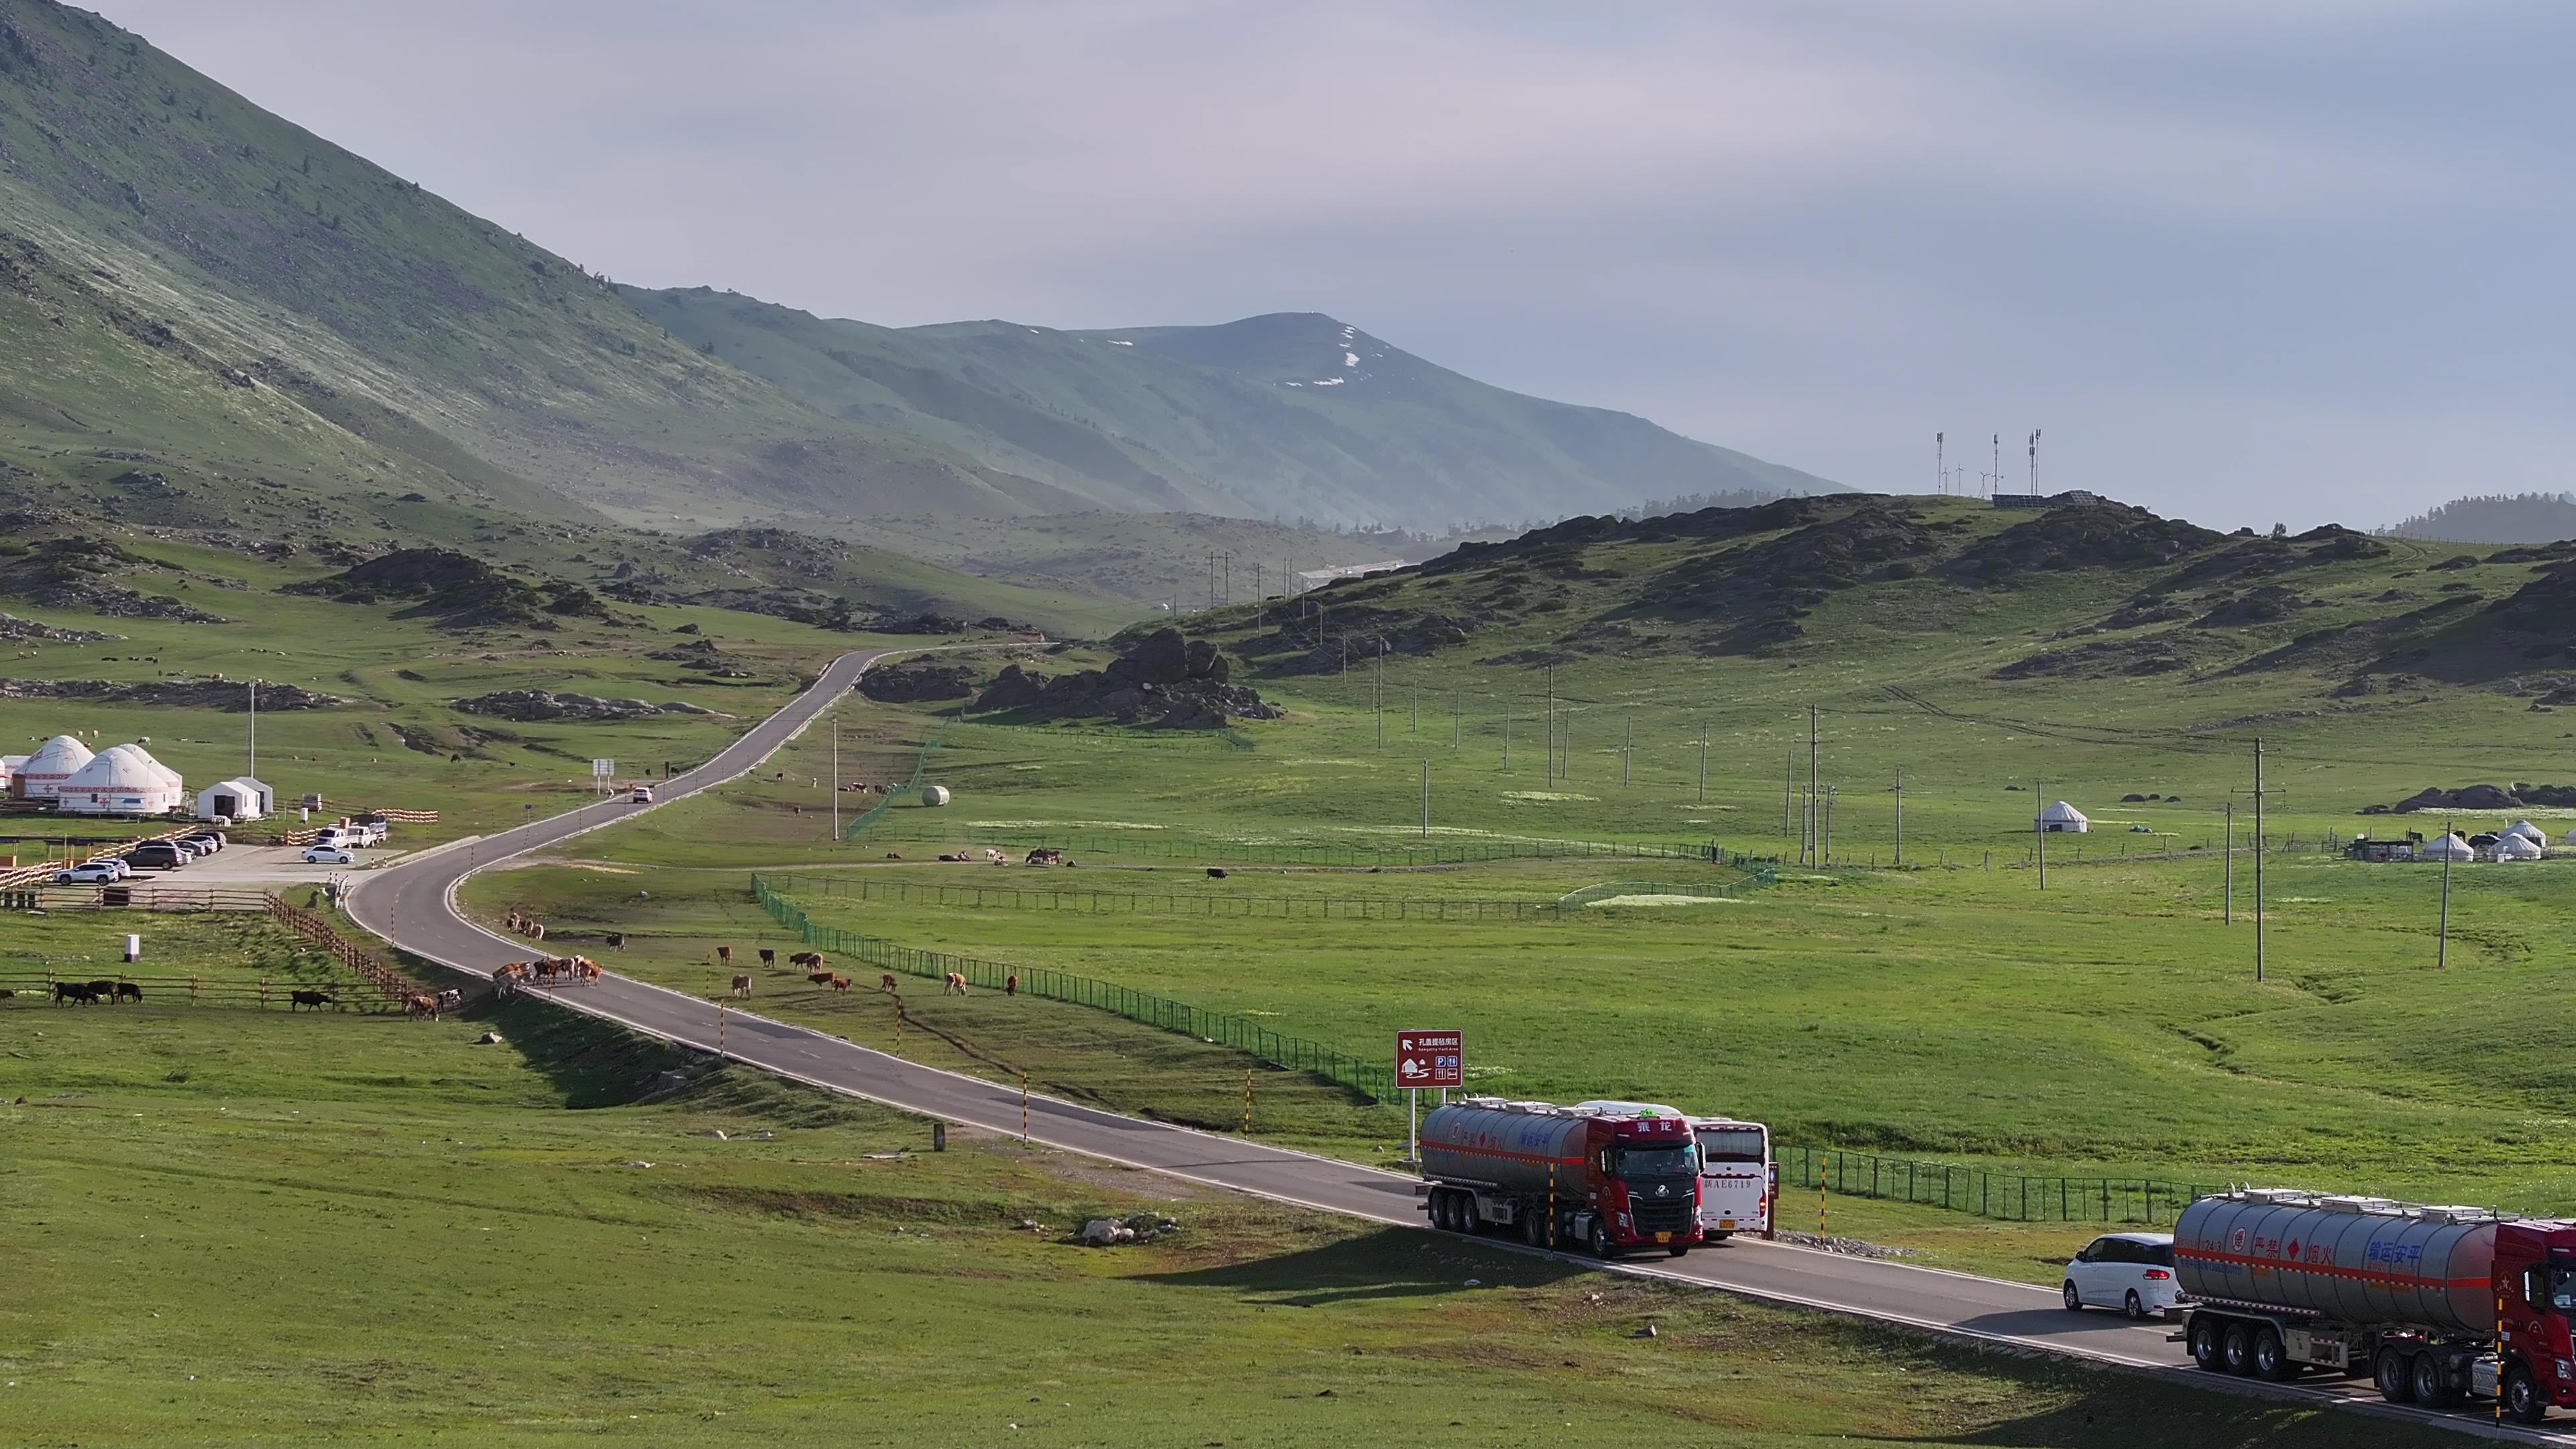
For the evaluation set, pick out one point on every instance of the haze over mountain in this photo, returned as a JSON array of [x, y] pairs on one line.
[[249, 325], [1291, 415]]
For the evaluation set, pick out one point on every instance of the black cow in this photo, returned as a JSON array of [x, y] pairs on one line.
[[128, 991], [65, 991], [315, 999]]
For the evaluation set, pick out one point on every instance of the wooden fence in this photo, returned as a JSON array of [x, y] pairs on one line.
[[347, 993], [316, 929]]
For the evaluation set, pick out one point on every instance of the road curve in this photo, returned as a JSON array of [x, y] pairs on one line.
[[412, 904]]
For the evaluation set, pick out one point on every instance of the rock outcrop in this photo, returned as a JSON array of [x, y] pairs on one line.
[[1166, 680], [226, 694], [530, 705], [918, 682]]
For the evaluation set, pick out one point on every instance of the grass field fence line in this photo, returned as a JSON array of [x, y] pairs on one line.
[[920, 765], [347, 993], [1370, 1079], [1141, 903], [1985, 1192], [153, 896], [392, 984], [1159, 845]]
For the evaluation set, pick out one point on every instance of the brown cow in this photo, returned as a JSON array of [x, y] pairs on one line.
[[724, 955], [421, 1003], [886, 982], [840, 983], [819, 978], [585, 970], [536, 930], [742, 986]]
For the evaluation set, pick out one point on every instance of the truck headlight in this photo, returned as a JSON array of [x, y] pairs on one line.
[[2566, 1370]]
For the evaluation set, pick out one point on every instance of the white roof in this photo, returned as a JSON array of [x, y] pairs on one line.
[[2518, 847], [168, 776], [2527, 831], [60, 755], [121, 768], [2448, 847], [2065, 812]]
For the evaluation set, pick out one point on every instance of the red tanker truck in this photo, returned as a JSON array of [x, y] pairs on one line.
[[1609, 1181], [2434, 1303]]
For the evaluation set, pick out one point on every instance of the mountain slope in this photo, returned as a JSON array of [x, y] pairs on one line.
[[1289, 415], [197, 279]]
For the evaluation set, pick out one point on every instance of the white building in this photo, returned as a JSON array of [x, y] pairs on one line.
[[2510, 846], [2062, 819], [2447, 847], [121, 780], [41, 774], [236, 800]]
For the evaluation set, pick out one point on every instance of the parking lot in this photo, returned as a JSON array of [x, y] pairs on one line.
[[257, 865]]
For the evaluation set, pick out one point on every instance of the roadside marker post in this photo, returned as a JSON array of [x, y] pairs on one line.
[[1247, 1101], [1024, 1109]]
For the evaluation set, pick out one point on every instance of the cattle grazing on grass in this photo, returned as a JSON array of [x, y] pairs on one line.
[[768, 957], [724, 955], [840, 983], [515, 921], [585, 970], [617, 939], [819, 978], [315, 999], [450, 999], [955, 985], [128, 991], [6, 993], [809, 960], [1216, 872], [70, 991], [742, 986], [536, 930], [885, 983], [105, 989], [421, 1003]]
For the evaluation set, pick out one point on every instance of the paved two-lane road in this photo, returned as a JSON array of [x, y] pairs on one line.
[[412, 904]]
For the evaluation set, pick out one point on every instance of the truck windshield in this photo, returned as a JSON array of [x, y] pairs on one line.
[[2562, 1290], [1678, 1161], [1731, 1144]]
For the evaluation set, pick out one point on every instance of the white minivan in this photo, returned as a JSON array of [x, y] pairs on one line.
[[2133, 1272]]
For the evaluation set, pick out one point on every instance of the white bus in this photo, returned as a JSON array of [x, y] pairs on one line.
[[1736, 1181], [1735, 1176]]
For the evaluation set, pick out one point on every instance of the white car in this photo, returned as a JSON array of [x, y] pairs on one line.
[[89, 875], [2133, 1272], [328, 855]]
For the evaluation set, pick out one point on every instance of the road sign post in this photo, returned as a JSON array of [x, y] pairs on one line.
[[601, 773], [1426, 1060]]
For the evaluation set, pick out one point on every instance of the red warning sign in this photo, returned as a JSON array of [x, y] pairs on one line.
[[1430, 1059]]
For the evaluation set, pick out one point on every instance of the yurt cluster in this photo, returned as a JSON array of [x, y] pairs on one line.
[[2521, 840], [67, 776]]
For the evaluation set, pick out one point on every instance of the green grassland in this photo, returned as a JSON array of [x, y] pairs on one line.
[[235, 1227]]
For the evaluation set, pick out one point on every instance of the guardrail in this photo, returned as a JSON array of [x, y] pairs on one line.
[[2007, 1196], [1223, 1028]]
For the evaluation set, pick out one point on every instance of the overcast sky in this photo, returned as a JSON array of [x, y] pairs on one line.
[[2302, 260]]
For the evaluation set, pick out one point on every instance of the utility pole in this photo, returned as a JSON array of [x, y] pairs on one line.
[[1900, 817], [1426, 799], [1417, 712], [836, 781], [2227, 911], [1627, 752], [1380, 694], [2258, 857], [254, 729], [2039, 828], [1788, 789], [1211, 578], [1703, 762], [1551, 727], [1826, 842], [1507, 733], [2442, 953], [1808, 854]]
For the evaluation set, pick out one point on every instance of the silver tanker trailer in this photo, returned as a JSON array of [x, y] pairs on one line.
[[2433, 1302]]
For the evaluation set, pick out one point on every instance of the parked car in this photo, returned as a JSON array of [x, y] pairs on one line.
[[2132, 1272], [328, 855], [95, 874], [209, 839], [370, 832], [643, 795], [158, 855]]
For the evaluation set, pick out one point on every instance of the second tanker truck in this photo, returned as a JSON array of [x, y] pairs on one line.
[[2433, 1302], [1608, 1181]]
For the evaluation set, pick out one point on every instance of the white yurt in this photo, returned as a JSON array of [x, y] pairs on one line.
[[236, 800], [2062, 819], [2447, 847], [121, 780], [2528, 831], [9, 766], [44, 772], [2510, 846]]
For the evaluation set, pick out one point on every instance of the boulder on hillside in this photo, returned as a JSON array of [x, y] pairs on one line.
[[917, 682], [530, 705], [1165, 679]]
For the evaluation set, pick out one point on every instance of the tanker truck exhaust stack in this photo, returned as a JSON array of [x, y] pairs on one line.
[[1610, 1182], [2434, 1303]]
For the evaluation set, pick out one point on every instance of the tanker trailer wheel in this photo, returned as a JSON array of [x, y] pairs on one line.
[[2271, 1360], [2205, 1350], [2394, 1376], [1444, 1212], [2522, 1397], [2424, 1376], [2236, 1348], [1534, 1229]]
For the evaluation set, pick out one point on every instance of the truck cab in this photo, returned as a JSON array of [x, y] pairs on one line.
[[2535, 1287]]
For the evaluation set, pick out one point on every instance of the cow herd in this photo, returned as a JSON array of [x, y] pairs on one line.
[[91, 993], [545, 971]]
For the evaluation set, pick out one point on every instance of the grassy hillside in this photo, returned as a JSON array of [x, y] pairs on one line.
[[1284, 416], [200, 290]]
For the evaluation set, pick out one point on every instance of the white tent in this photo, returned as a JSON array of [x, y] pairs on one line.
[[121, 780], [238, 800], [2510, 846], [9, 766], [2447, 847], [43, 772], [2062, 818], [2528, 831]]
